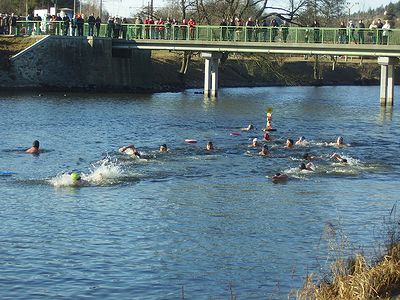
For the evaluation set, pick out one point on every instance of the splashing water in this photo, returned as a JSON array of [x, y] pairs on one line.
[[103, 172]]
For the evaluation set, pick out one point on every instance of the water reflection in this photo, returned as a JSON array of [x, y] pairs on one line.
[[386, 113]]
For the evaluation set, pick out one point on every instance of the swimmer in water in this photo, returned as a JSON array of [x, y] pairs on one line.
[[339, 158], [163, 148], [289, 144], [264, 151], [339, 142], [279, 177], [301, 141], [76, 179], [248, 128], [254, 143], [130, 150], [209, 146], [309, 157], [34, 149], [307, 167], [266, 136]]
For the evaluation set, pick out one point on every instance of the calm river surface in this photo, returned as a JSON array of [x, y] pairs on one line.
[[188, 222]]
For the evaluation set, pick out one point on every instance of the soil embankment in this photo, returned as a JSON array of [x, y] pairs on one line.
[[161, 73]]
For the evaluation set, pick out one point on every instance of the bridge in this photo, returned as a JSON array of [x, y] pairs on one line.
[[212, 41], [387, 56]]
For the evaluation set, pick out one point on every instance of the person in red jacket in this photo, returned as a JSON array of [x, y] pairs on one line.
[[191, 24]]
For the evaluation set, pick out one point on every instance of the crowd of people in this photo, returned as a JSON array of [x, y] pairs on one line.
[[232, 29]]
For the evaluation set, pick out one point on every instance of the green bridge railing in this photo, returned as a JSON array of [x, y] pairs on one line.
[[218, 33]]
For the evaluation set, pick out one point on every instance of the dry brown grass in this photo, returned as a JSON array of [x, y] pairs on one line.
[[356, 278]]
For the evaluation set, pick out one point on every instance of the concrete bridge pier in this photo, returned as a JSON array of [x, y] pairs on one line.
[[211, 73], [387, 79]]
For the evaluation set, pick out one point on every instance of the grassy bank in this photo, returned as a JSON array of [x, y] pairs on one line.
[[10, 45], [357, 279]]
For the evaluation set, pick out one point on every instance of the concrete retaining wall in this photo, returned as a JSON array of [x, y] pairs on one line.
[[81, 63]]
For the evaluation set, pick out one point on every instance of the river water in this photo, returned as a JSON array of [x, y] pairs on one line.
[[189, 223]]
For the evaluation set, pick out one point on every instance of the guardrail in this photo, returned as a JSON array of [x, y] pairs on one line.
[[215, 33]]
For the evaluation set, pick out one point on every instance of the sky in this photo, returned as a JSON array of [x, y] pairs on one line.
[[126, 8]]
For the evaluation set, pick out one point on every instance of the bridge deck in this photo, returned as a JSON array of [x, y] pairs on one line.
[[261, 47]]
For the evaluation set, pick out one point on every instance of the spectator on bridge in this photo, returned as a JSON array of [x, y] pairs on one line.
[[98, 24], [249, 29], [385, 34], [361, 32], [161, 28], [168, 27], [342, 33], [373, 31], [264, 30], [1, 24], [13, 24], [59, 25], [223, 25], [316, 26], [147, 28], [184, 29], [138, 28], [73, 25], [37, 19], [29, 18], [124, 28], [117, 28], [91, 21], [231, 29], [192, 24], [379, 26], [110, 26], [66, 22], [274, 33], [152, 28], [352, 31], [285, 31], [79, 24], [175, 28], [6, 24]]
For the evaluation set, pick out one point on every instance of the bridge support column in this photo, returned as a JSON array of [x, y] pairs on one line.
[[211, 73], [387, 80]]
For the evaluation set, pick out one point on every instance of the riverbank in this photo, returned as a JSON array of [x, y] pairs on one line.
[[160, 72]]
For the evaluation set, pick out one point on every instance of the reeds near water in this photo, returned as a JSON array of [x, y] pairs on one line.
[[357, 279]]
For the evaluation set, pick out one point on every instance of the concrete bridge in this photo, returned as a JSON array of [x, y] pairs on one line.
[[386, 55]]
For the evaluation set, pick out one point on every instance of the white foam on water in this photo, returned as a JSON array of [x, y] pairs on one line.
[[103, 172]]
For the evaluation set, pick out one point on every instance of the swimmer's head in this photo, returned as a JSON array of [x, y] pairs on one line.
[[35, 144], [289, 142], [163, 148], [344, 160], [266, 136], [255, 140], [306, 155], [339, 140], [302, 138], [75, 176], [303, 166], [251, 126], [265, 147]]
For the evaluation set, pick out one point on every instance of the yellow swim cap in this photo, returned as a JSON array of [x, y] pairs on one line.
[[75, 176]]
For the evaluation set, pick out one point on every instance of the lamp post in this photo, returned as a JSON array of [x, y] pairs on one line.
[[350, 6]]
